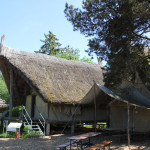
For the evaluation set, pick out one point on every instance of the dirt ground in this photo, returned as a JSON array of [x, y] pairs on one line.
[[50, 143]]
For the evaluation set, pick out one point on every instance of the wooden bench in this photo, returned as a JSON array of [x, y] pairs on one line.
[[63, 146], [98, 146]]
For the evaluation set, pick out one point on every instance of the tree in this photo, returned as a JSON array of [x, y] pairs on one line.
[[69, 53], [119, 35], [52, 47], [3, 89]]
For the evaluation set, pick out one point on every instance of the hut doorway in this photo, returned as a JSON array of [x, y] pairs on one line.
[[33, 103]]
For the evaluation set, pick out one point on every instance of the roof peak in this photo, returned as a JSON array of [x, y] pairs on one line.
[[2, 44]]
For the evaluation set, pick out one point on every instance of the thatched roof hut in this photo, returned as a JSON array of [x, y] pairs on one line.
[[56, 80]]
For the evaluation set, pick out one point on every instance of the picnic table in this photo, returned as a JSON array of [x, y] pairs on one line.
[[82, 137]]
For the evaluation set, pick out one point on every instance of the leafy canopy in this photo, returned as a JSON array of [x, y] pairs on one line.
[[3, 89], [51, 46], [118, 31]]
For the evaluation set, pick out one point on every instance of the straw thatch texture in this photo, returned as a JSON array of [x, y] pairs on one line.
[[54, 79]]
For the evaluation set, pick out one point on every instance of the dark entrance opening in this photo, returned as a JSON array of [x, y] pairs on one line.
[[33, 102]]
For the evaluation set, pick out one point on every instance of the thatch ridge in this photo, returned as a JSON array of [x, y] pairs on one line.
[[55, 79]]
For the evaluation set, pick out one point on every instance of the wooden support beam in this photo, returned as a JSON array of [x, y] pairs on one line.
[[48, 109], [72, 128], [17, 96], [72, 125], [11, 92], [95, 108], [128, 125], [48, 129]]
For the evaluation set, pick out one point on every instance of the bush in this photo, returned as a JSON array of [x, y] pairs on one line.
[[4, 94], [26, 130], [16, 111], [3, 135], [9, 135]]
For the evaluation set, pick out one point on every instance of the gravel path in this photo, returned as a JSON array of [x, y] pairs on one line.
[[50, 143], [44, 143]]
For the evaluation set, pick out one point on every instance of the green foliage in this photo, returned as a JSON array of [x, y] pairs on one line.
[[99, 125], [9, 135], [3, 89], [119, 34], [141, 8], [26, 130], [16, 111], [52, 47], [25, 133], [86, 59], [3, 135], [69, 53]]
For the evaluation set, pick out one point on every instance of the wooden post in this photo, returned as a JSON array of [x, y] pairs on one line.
[[48, 129], [72, 128], [48, 109], [128, 125], [22, 113], [11, 92], [95, 118]]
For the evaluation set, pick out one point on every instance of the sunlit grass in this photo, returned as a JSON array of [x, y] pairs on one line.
[[99, 125]]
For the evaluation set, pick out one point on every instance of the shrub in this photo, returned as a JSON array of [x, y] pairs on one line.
[[26, 131], [16, 111], [4, 94]]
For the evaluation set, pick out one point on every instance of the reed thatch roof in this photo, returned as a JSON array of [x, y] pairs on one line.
[[56, 80]]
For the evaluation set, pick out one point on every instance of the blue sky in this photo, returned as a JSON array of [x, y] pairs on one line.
[[24, 23]]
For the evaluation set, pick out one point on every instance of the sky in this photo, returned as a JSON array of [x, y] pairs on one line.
[[24, 23]]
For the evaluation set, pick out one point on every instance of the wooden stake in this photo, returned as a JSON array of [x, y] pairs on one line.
[[48, 129], [72, 126], [128, 125], [95, 117], [11, 92], [48, 109]]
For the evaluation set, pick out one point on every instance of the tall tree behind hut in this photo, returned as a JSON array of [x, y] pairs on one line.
[[118, 31], [51, 46]]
